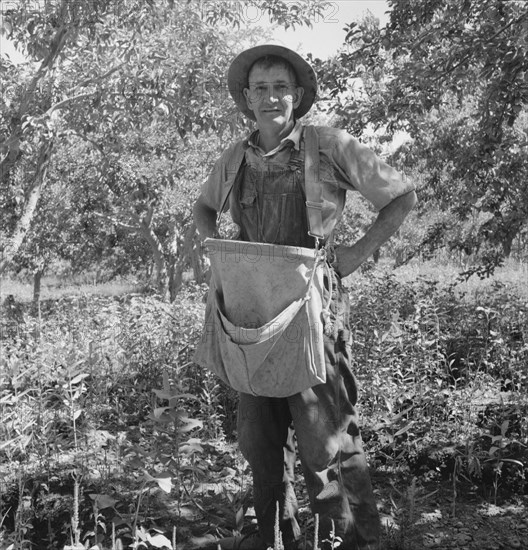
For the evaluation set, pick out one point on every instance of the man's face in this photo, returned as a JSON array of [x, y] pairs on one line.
[[272, 96]]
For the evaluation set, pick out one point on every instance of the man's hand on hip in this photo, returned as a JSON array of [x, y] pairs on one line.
[[349, 258]]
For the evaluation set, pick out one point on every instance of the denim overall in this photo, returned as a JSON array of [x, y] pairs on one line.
[[269, 206]]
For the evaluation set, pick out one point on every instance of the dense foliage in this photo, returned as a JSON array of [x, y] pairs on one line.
[[101, 394], [122, 108], [453, 76], [130, 86]]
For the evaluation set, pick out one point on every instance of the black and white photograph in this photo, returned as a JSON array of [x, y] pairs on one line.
[[264, 274]]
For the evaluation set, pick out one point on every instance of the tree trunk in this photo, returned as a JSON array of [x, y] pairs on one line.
[[192, 252], [510, 232], [189, 255], [162, 276], [11, 147], [197, 258], [175, 272], [176, 279], [37, 280], [33, 194]]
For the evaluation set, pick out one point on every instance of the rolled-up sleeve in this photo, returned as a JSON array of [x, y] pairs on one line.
[[219, 181], [212, 188], [359, 168]]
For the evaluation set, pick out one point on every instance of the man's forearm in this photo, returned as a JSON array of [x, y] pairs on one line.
[[389, 219], [205, 219]]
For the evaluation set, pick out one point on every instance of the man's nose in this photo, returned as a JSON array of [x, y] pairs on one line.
[[272, 94]]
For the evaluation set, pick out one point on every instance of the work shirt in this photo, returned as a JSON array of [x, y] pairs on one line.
[[280, 155], [345, 165]]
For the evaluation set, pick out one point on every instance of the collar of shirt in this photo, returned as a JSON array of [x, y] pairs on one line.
[[294, 138]]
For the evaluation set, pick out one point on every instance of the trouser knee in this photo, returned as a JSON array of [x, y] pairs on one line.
[[262, 433]]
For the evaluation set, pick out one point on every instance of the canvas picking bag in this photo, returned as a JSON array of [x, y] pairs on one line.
[[263, 332]]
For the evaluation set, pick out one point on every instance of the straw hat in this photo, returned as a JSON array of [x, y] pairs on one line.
[[237, 76]]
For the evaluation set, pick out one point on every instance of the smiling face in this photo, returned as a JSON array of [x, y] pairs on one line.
[[273, 95]]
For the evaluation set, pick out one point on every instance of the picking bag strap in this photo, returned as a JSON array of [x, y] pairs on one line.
[[237, 163], [314, 190]]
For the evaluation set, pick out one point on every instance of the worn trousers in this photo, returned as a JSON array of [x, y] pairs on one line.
[[323, 422]]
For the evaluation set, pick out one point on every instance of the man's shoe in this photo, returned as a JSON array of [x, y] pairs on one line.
[[251, 541]]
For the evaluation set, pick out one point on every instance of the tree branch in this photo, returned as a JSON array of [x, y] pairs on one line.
[[148, 216], [471, 50], [115, 221], [32, 197], [98, 79], [64, 102], [57, 44], [12, 142], [67, 100]]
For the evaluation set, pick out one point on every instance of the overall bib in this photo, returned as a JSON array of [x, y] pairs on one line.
[[269, 206]]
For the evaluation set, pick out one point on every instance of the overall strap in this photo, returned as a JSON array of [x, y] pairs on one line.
[[314, 190]]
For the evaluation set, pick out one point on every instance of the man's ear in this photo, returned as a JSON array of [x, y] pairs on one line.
[[248, 102], [298, 96]]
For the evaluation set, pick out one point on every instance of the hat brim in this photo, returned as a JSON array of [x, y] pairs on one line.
[[237, 76]]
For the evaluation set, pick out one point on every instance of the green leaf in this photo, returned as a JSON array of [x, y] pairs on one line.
[[188, 424], [159, 541], [192, 446], [239, 518], [493, 450], [78, 378], [103, 501], [404, 429], [164, 483]]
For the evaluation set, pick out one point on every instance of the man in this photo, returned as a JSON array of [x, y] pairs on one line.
[[266, 193]]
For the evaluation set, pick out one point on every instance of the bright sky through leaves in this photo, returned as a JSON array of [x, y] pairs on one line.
[[322, 40], [327, 34]]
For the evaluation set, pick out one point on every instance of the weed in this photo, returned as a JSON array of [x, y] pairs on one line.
[[105, 389]]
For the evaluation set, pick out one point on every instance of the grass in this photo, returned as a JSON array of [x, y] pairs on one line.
[[53, 288], [513, 274]]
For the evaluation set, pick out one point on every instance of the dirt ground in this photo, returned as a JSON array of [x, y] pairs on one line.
[[436, 520], [414, 517], [476, 526]]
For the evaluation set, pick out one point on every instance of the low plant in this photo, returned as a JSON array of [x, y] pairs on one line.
[[104, 390]]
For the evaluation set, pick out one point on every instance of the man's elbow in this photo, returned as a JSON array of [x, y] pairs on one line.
[[400, 206], [394, 214], [200, 208], [410, 200], [197, 207], [204, 218]]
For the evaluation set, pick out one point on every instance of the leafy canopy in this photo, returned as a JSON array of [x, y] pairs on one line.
[[454, 75]]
